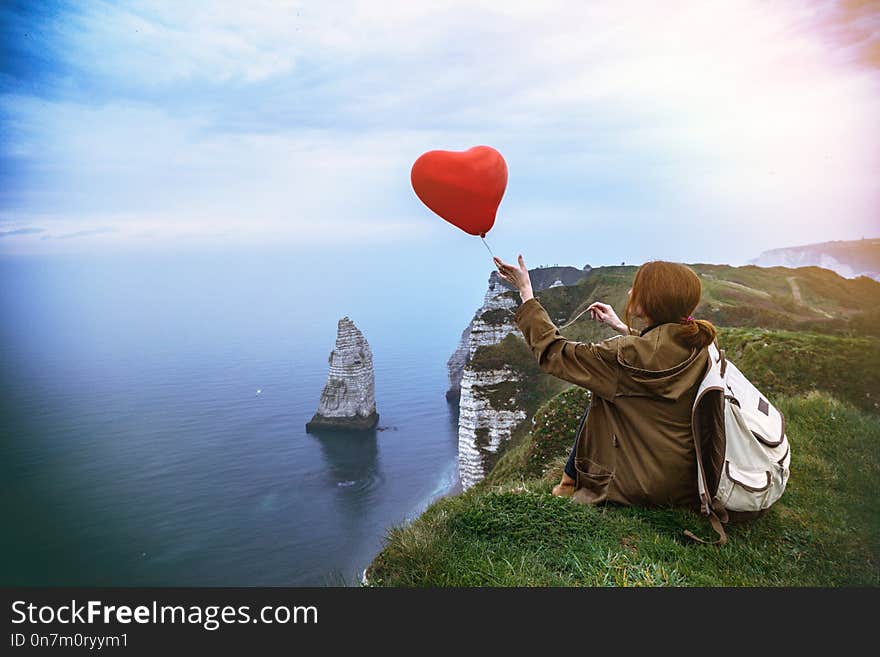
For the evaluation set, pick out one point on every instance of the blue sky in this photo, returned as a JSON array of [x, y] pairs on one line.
[[699, 131]]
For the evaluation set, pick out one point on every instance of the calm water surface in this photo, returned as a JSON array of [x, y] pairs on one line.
[[136, 449]]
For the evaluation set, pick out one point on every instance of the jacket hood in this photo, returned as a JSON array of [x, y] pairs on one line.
[[660, 363]]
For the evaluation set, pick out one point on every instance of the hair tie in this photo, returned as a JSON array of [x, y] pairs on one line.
[[689, 318]]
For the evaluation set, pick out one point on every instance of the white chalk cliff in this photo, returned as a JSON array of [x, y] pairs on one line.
[[487, 418], [482, 331], [482, 428], [849, 259], [348, 400]]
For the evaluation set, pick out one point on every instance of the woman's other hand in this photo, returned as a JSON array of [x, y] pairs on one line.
[[604, 313], [518, 277]]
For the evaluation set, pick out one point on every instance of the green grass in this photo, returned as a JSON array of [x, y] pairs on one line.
[[788, 363], [510, 352], [823, 532], [551, 435], [757, 296]]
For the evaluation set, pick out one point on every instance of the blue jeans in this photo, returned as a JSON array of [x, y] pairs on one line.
[[569, 467]]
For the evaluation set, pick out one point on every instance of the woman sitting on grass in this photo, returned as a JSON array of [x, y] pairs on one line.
[[636, 446]]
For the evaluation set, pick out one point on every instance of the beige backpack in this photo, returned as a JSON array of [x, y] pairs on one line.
[[742, 451]]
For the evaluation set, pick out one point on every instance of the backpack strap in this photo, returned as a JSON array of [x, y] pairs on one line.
[[715, 512], [715, 521], [722, 357]]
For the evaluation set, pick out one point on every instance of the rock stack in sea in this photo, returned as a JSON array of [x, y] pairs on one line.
[[348, 400]]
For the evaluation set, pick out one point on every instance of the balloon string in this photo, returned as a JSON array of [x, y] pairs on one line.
[[487, 245], [576, 318], [567, 324]]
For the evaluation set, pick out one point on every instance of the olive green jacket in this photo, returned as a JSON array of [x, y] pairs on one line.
[[637, 445]]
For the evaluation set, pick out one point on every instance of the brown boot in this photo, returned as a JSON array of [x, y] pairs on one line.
[[564, 488]]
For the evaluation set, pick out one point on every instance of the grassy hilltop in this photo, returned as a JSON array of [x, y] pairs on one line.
[[807, 337]]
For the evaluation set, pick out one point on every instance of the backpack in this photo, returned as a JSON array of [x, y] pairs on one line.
[[742, 452]]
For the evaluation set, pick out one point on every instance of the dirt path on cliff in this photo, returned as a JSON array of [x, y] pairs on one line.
[[795, 290], [799, 299]]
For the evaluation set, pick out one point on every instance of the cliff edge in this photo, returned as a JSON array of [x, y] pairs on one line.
[[348, 400], [489, 408], [816, 352]]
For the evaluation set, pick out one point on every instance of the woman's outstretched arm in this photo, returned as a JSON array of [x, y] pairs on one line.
[[592, 366], [589, 365]]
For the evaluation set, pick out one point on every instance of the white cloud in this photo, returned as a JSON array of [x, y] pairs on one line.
[[237, 118]]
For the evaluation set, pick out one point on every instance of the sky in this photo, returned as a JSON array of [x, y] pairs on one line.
[[696, 131]]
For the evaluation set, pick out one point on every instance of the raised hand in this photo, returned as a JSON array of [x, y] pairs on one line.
[[517, 276], [602, 312]]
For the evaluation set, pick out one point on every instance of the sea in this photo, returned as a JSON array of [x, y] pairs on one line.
[[154, 408]]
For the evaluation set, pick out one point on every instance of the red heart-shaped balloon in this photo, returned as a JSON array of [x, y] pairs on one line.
[[463, 187]]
